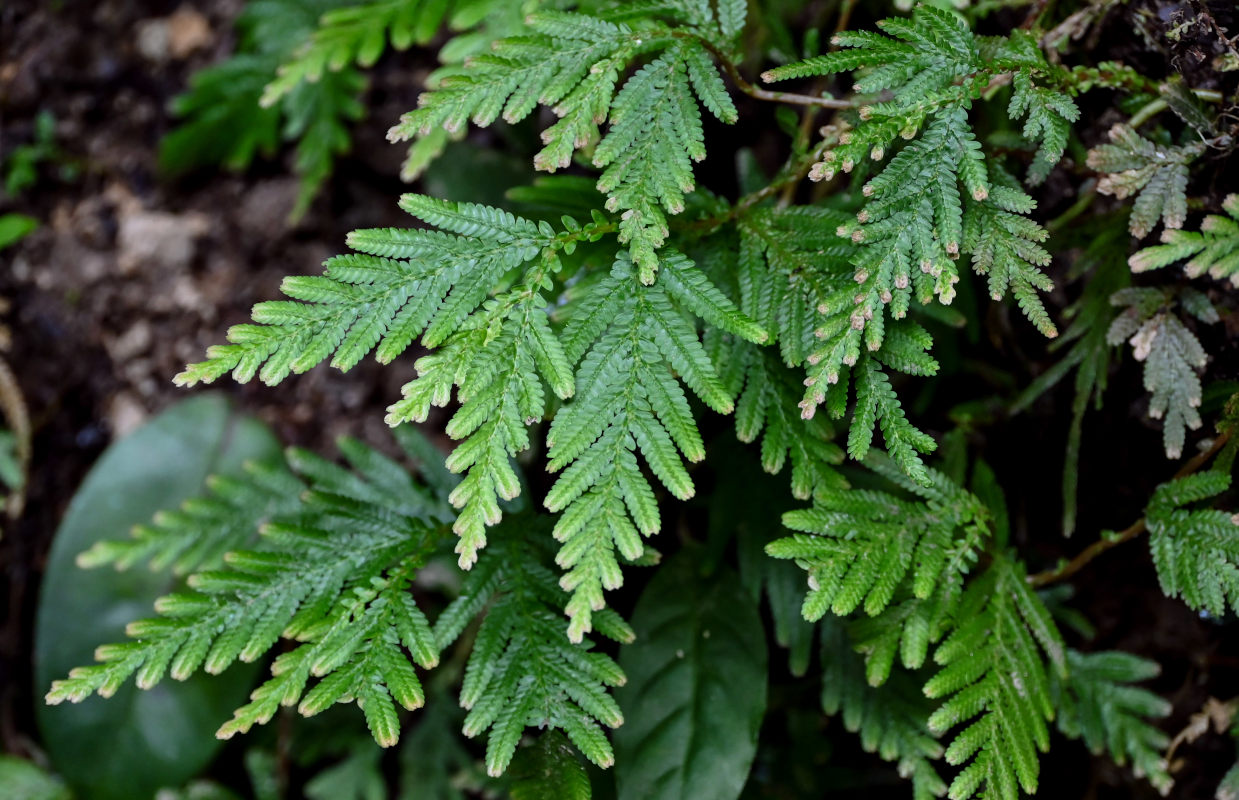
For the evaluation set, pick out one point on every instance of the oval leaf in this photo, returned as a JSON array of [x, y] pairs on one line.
[[22, 780], [696, 690], [135, 742]]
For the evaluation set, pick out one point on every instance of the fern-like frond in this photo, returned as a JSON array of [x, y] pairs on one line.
[[790, 261], [858, 545], [497, 369], [204, 528], [1196, 551], [878, 406], [522, 671], [933, 64], [1098, 704], [993, 678], [654, 137], [890, 719], [1048, 111], [405, 284], [785, 258], [902, 561], [221, 120], [400, 284], [794, 277], [224, 123], [916, 223], [1155, 173], [356, 34], [335, 577], [1214, 249], [1006, 247], [638, 347], [317, 116], [572, 63], [766, 409], [1171, 353]]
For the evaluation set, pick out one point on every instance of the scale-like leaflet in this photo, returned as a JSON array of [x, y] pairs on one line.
[[635, 346], [994, 679], [522, 671]]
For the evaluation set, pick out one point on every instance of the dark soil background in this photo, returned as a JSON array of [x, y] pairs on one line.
[[131, 276]]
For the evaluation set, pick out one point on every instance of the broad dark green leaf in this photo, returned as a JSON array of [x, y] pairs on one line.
[[126, 747], [21, 780], [696, 690]]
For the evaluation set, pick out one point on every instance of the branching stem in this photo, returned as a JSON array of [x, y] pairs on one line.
[[791, 175], [743, 85], [1127, 534]]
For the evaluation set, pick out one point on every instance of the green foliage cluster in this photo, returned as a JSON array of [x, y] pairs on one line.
[[297, 77], [592, 328]]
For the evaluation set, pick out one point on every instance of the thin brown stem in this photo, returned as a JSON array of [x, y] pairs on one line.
[[1039, 7], [743, 85], [845, 16], [809, 115], [791, 175], [1127, 534]]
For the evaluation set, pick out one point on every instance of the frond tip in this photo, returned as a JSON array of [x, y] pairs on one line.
[[1213, 250], [1196, 551], [1171, 353], [994, 679], [523, 672]]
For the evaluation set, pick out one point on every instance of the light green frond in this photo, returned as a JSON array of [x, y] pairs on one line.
[[994, 680], [630, 401], [368, 301], [1213, 250], [902, 561]]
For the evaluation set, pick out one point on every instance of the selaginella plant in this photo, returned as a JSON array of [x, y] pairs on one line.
[[594, 328]]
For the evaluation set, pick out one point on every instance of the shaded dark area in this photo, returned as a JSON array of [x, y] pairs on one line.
[[131, 276]]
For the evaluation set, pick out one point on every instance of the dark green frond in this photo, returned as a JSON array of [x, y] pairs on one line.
[[522, 671], [1196, 551], [1098, 704]]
